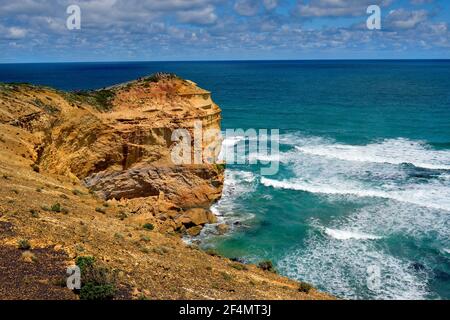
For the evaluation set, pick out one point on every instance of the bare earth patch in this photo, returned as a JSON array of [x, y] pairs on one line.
[[40, 279]]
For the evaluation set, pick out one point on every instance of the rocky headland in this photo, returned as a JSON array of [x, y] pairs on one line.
[[87, 178]]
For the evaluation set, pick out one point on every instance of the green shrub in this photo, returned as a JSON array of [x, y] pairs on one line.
[[142, 297], [77, 192], [118, 236], [160, 250], [101, 210], [304, 287], [46, 107], [226, 276], [160, 76], [212, 252], [144, 250], [100, 99], [149, 226], [34, 213], [238, 266], [93, 291], [267, 266], [85, 263], [98, 282], [23, 244], [122, 215], [220, 167], [56, 207]]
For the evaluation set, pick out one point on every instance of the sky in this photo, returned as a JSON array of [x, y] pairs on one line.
[[167, 30]]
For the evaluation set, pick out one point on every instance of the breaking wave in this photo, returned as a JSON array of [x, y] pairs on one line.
[[347, 235], [432, 196], [393, 151]]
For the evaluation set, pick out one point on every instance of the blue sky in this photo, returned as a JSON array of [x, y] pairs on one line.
[[147, 30]]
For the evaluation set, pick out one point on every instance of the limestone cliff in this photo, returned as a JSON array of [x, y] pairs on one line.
[[89, 174], [118, 140]]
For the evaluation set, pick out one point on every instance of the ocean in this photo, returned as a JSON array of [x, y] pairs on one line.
[[360, 206]]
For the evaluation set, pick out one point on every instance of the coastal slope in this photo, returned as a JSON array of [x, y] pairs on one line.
[[87, 176]]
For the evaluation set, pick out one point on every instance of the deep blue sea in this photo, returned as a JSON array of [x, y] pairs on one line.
[[363, 190]]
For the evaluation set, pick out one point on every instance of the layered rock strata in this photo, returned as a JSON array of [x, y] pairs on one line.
[[119, 141]]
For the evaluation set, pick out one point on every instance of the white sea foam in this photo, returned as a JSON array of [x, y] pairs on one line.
[[237, 185], [328, 263], [347, 235], [228, 148], [396, 218], [233, 140], [265, 158], [297, 139], [228, 145], [403, 205], [393, 151], [436, 196], [341, 267]]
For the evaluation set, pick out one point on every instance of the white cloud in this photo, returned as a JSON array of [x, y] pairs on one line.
[[250, 8], [336, 8], [16, 33], [403, 19], [203, 16], [247, 7], [192, 27], [270, 4], [12, 33]]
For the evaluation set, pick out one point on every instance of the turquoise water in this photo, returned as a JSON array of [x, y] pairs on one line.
[[364, 174]]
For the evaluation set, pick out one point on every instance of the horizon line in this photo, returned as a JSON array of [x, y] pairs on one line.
[[226, 60]]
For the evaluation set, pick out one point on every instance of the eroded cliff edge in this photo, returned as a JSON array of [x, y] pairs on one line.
[[118, 142], [89, 174]]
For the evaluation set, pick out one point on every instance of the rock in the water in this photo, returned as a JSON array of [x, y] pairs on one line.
[[222, 228], [197, 216], [211, 217], [194, 231]]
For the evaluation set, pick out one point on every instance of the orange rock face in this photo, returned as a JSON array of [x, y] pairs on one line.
[[118, 141]]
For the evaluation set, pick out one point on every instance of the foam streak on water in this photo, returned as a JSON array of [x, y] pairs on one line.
[[393, 151], [433, 196], [347, 235]]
